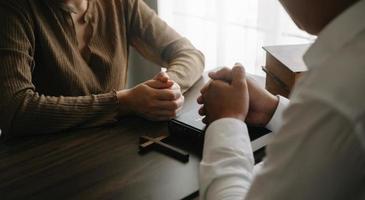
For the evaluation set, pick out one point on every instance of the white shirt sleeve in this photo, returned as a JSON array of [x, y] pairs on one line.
[[315, 155], [277, 119], [226, 168], [228, 158]]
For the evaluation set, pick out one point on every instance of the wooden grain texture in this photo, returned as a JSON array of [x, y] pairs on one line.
[[99, 163]]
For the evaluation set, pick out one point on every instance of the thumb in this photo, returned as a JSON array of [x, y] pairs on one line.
[[162, 76], [223, 74], [238, 75], [156, 84]]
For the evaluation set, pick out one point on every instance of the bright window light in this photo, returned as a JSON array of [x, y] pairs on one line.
[[229, 31]]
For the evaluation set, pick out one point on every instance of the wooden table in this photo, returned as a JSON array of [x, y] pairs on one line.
[[98, 163]]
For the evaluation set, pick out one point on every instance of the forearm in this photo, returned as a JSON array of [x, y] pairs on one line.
[[227, 165], [158, 42], [185, 63], [31, 113]]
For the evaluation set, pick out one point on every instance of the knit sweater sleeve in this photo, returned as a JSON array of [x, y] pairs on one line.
[[23, 110], [158, 42]]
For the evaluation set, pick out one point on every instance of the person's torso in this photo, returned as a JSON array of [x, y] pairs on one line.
[[59, 68], [340, 81]]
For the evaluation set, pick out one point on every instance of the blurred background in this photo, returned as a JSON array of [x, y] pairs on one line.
[[228, 31], [232, 30]]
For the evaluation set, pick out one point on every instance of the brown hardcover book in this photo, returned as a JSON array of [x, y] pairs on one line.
[[284, 66]]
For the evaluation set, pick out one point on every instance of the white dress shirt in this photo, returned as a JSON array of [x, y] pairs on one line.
[[318, 151]]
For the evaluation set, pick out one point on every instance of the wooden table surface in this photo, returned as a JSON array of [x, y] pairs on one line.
[[98, 163]]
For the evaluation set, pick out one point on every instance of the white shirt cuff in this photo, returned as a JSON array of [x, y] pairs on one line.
[[277, 119], [223, 132]]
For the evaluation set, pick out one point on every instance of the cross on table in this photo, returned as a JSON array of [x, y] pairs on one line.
[[147, 144]]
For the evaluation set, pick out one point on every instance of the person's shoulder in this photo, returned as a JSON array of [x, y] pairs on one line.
[[339, 81], [16, 15]]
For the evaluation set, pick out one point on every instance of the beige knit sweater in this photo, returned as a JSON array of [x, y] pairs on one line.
[[46, 85]]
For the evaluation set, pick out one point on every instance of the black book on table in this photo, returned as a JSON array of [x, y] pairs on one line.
[[188, 128]]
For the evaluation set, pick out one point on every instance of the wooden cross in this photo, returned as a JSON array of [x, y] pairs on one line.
[[147, 144]]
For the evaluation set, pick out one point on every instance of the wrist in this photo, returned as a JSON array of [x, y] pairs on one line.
[[272, 106], [123, 97]]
